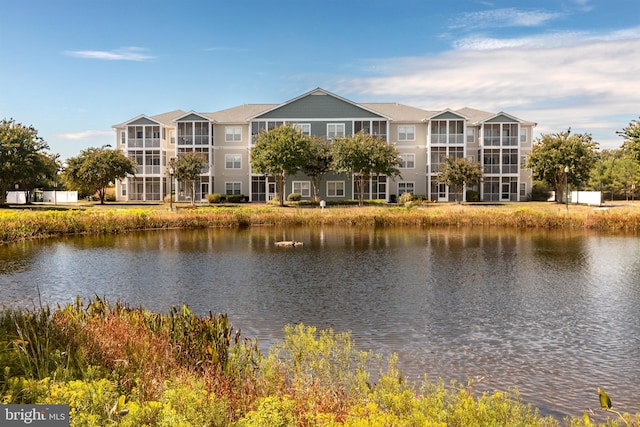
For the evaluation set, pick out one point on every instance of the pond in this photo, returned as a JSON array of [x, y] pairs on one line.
[[555, 314]]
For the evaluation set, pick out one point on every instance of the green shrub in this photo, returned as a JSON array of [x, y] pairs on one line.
[[214, 198], [294, 197], [235, 198], [405, 199]]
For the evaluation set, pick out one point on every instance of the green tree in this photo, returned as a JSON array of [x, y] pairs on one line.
[[95, 169], [553, 153], [187, 168], [23, 157], [317, 163], [602, 177], [626, 175], [364, 156], [280, 152], [457, 173], [631, 135]]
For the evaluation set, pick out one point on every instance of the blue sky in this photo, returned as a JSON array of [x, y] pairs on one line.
[[72, 69]]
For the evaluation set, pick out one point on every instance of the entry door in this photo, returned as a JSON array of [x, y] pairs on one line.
[[504, 194], [271, 191], [442, 193]]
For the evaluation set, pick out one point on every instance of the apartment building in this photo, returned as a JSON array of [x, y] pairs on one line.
[[499, 141]]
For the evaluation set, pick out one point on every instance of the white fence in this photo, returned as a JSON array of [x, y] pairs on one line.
[[19, 197], [60, 196], [591, 198]]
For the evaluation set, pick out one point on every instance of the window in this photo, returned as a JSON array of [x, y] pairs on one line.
[[523, 162], [335, 130], [335, 189], [123, 137], [491, 161], [492, 134], [407, 161], [523, 191], [406, 187], [509, 134], [471, 135], [305, 128], [407, 133], [233, 187], [232, 134], [438, 156], [524, 135], [232, 161], [302, 187], [509, 161]]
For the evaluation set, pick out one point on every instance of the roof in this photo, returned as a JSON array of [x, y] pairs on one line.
[[399, 113]]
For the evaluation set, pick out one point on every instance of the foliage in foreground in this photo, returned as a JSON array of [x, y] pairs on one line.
[[115, 365]]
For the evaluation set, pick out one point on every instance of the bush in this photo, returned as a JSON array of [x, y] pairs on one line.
[[294, 197], [214, 198], [473, 196], [405, 199], [235, 198], [540, 192]]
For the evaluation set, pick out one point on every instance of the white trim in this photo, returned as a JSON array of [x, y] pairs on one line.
[[302, 184], [233, 183], [342, 184], [232, 133], [406, 133], [233, 158]]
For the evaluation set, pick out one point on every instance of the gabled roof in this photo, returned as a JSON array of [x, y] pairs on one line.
[[447, 112], [161, 119], [191, 113], [320, 91], [478, 117]]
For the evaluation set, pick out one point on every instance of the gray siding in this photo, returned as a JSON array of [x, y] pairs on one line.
[[447, 116], [143, 121], [192, 118], [501, 118], [318, 107]]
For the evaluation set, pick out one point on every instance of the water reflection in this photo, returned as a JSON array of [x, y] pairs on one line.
[[552, 313]]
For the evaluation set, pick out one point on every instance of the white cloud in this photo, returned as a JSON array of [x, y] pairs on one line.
[[564, 39], [124, 54], [507, 17], [591, 87], [85, 135]]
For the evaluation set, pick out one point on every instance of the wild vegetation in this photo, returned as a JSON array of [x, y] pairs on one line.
[[25, 224], [117, 365]]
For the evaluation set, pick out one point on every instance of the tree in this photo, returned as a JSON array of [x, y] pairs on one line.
[[457, 173], [23, 159], [602, 176], [95, 169], [317, 163], [363, 156], [552, 153], [187, 168], [631, 135], [280, 152]]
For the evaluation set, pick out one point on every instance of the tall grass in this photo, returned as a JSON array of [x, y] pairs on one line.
[[21, 225]]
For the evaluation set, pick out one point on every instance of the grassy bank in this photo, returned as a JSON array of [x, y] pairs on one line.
[[115, 365], [24, 224]]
